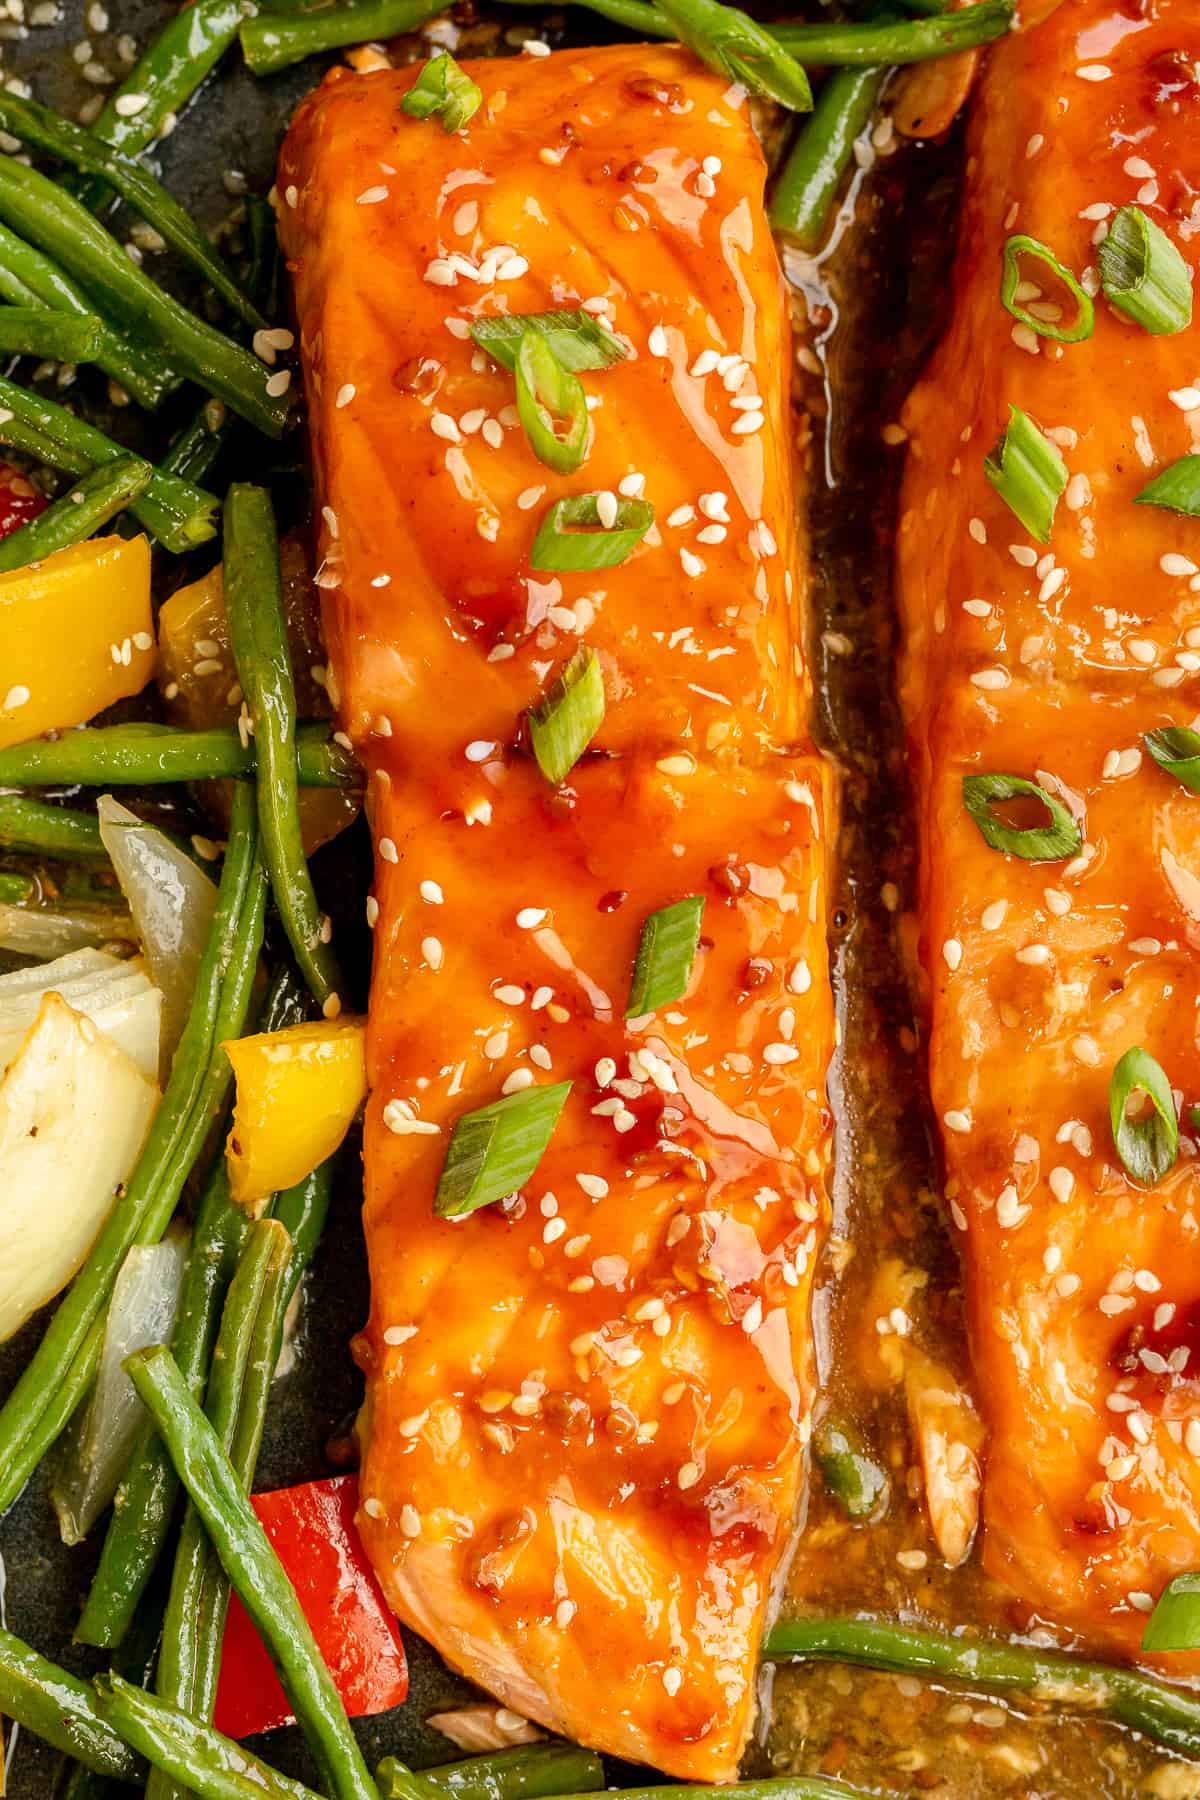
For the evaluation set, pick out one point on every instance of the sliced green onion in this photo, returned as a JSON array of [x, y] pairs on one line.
[[1085, 315], [1144, 275], [1175, 1622], [1149, 1145], [445, 91], [1177, 488], [1177, 750], [665, 954], [1057, 838], [739, 48], [1194, 1117], [552, 405], [577, 339], [1028, 473], [572, 536], [497, 1147], [568, 716]]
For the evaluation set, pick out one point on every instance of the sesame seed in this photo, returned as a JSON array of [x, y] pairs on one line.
[[431, 950], [912, 1560], [16, 697], [692, 565], [952, 953], [400, 1119], [345, 394], [410, 1521], [373, 1508], [371, 196], [1009, 1211], [778, 1054], [594, 1186], [632, 487], [399, 1334], [957, 1121], [1173, 564], [1062, 1183], [529, 497], [279, 383], [658, 343], [530, 917], [991, 679], [606, 509], [443, 426], [750, 421], [689, 1475], [1093, 72], [388, 851], [993, 916], [1187, 399], [672, 1678], [512, 268], [431, 893]]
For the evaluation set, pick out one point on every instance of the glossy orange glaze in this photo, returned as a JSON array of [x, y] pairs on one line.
[[587, 172], [1084, 1288], [587, 1407]]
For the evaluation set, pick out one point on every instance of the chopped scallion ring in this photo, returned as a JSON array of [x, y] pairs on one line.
[[497, 1147], [1175, 1622], [552, 405], [1028, 473], [1147, 1145], [1143, 274], [568, 716], [1051, 841], [665, 954], [572, 534], [445, 91], [1084, 322], [739, 48], [1177, 488], [577, 339], [1177, 750]]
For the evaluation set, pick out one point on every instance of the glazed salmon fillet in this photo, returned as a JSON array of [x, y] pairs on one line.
[[1051, 662], [587, 1404]]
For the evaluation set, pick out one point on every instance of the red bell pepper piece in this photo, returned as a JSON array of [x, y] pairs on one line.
[[19, 500], [314, 1536]]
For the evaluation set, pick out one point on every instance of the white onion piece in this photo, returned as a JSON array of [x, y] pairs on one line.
[[478, 1728], [114, 992], [45, 931], [74, 1113], [142, 1311], [172, 902]]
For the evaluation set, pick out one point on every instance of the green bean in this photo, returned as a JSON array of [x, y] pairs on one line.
[[188, 1749], [52, 830], [807, 186], [271, 42], [51, 336], [258, 633], [15, 888], [134, 1660], [164, 78], [303, 1209], [60, 1709], [179, 515], [28, 279], [525, 1772], [194, 1096], [1168, 1715], [145, 1501], [64, 1404], [839, 45], [144, 754], [850, 1473], [193, 452], [189, 1659], [254, 1570], [87, 505], [34, 206], [67, 142], [902, 41]]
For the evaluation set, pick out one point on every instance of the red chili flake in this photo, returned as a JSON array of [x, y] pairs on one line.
[[19, 500]]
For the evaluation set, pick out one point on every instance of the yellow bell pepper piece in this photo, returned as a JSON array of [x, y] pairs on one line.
[[76, 635], [297, 1093]]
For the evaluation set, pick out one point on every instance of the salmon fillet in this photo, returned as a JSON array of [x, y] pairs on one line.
[[1051, 663], [586, 1405]]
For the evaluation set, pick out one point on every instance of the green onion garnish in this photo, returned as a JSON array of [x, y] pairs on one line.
[[568, 716], [737, 47], [1148, 1145], [1085, 313], [578, 341], [665, 954], [1175, 1622], [1028, 473], [445, 91], [497, 1147], [572, 535], [1177, 750], [1144, 275], [1177, 488], [552, 405], [1056, 838]]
